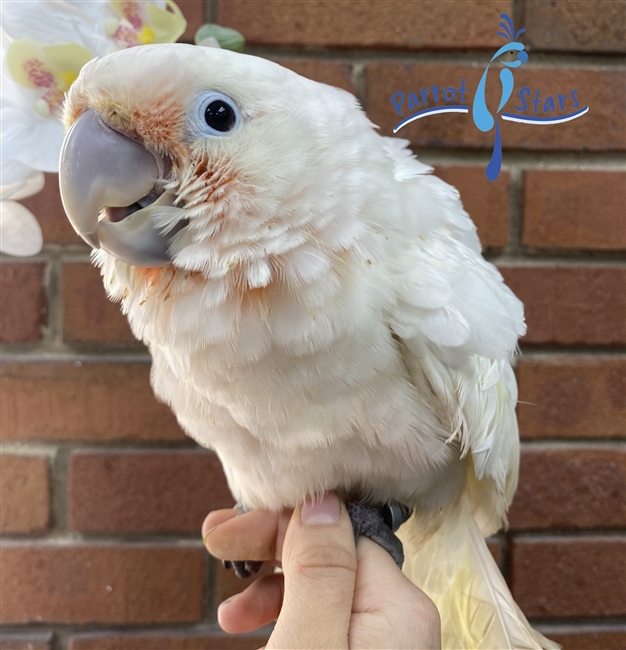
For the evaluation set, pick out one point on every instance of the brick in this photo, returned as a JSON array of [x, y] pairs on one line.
[[428, 24], [88, 315], [171, 641], [145, 491], [193, 10], [571, 305], [572, 397], [82, 401], [23, 304], [47, 207], [25, 641], [228, 584], [326, 72], [602, 128], [569, 576], [570, 488], [486, 203], [597, 26], [584, 639], [87, 583], [562, 209], [25, 493]]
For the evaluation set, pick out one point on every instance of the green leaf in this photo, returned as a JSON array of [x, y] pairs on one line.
[[229, 39]]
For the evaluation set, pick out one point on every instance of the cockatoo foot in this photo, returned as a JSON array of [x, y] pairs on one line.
[[243, 568], [379, 525]]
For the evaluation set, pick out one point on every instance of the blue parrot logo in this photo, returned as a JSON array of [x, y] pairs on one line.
[[511, 55]]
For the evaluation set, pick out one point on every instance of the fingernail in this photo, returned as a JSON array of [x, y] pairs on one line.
[[321, 513]]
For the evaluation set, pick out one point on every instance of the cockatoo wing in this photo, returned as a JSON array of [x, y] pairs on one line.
[[458, 324]]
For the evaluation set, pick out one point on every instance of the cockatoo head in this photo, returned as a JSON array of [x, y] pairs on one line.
[[204, 158]]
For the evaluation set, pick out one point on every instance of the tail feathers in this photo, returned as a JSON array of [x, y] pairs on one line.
[[455, 568]]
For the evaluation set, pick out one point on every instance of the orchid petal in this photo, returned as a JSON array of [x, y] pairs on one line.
[[29, 65], [14, 172], [168, 26], [34, 141], [24, 188], [20, 232], [67, 61]]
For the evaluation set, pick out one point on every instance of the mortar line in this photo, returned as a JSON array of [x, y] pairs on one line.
[[60, 491], [516, 211], [358, 79], [210, 11]]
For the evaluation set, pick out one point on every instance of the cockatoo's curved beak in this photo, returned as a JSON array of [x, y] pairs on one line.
[[102, 169]]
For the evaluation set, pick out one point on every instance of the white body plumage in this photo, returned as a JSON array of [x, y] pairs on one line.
[[328, 321]]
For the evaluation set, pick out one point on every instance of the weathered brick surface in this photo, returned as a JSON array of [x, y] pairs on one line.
[[22, 302], [91, 583], [486, 203], [25, 641], [194, 12], [82, 401], [583, 639], [170, 641], [572, 397], [24, 493], [570, 488], [572, 209], [47, 207], [603, 90], [145, 491], [571, 305], [88, 315], [569, 576], [377, 23], [326, 72], [597, 26]]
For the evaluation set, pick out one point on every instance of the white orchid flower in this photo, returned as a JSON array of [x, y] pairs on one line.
[[44, 44]]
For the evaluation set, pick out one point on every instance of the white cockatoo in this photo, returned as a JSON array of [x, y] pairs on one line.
[[315, 303]]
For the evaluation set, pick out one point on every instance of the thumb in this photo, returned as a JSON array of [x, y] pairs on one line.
[[319, 565]]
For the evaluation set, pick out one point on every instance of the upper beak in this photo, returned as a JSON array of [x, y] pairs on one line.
[[100, 167]]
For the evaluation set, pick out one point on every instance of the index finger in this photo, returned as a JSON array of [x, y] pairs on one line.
[[257, 535]]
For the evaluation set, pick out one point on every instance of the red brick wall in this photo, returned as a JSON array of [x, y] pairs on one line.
[[102, 494]]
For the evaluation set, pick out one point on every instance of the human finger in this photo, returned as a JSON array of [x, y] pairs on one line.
[[319, 565], [256, 606], [215, 518], [388, 608], [255, 535]]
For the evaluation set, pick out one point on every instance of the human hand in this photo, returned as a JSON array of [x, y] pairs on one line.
[[330, 594]]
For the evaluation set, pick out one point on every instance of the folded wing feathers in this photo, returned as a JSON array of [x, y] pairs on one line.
[[458, 321]]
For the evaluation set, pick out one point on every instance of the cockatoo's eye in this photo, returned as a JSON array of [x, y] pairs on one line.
[[216, 115], [220, 116]]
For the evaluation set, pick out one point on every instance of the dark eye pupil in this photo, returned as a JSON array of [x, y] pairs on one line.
[[220, 116]]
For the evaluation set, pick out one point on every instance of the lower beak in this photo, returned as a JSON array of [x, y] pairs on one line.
[[102, 168]]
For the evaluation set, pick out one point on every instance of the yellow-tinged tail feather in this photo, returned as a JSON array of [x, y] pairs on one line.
[[454, 567]]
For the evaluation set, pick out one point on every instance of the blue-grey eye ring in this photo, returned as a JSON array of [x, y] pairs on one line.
[[217, 114]]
